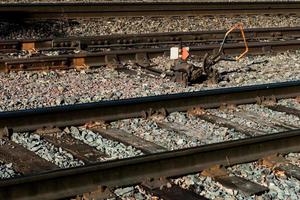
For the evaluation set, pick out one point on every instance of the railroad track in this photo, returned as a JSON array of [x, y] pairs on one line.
[[264, 137], [93, 43], [114, 49], [23, 11]]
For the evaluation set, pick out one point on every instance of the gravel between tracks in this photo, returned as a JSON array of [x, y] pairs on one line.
[[135, 25], [6, 170], [293, 103], [22, 90], [114, 149], [150, 131], [130, 193], [46, 150], [204, 132], [281, 187], [294, 158], [269, 115]]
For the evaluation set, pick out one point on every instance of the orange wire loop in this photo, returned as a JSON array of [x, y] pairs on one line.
[[236, 26]]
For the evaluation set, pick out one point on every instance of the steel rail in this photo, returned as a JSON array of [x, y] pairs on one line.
[[39, 11], [70, 182], [149, 39], [72, 115], [137, 55]]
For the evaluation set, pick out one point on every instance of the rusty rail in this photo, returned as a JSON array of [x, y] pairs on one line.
[[64, 183], [141, 47], [37, 11], [114, 57], [71, 115], [70, 182], [149, 39]]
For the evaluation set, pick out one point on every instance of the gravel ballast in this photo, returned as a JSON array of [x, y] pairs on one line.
[[7, 171], [46, 150], [293, 103], [114, 149], [269, 115], [245, 122], [280, 186], [137, 25], [23, 90], [150, 131], [198, 132]]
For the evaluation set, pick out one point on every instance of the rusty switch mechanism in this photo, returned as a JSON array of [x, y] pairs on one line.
[[187, 73]]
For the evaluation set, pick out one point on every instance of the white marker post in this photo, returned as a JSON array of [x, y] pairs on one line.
[[174, 53]]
